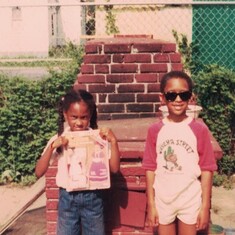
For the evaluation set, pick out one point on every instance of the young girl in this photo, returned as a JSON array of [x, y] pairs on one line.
[[179, 164], [77, 208]]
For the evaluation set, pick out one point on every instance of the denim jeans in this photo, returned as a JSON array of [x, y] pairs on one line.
[[80, 212]]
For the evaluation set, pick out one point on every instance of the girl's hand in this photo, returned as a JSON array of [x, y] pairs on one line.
[[60, 141], [114, 161], [107, 134]]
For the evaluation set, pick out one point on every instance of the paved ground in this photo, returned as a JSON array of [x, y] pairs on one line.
[[33, 222]]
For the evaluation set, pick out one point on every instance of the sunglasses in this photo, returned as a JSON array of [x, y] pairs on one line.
[[184, 96]]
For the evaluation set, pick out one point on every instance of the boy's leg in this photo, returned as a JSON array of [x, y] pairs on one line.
[[166, 216], [189, 229], [169, 229], [189, 207]]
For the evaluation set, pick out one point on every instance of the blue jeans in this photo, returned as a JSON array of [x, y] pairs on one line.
[[80, 212]]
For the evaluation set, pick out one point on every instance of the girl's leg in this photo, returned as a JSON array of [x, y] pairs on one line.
[[92, 218], [68, 214], [186, 229], [169, 229]]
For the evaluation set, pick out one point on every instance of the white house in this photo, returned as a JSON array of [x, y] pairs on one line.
[[30, 28]]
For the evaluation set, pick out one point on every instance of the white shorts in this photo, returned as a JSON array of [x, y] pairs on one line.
[[185, 207]]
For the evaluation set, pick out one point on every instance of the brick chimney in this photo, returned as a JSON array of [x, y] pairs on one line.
[[124, 73]]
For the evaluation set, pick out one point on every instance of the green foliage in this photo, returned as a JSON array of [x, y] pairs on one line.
[[218, 179], [222, 180], [227, 165], [9, 176], [69, 50], [28, 118], [215, 88], [28, 180], [189, 53], [111, 27], [36, 62]]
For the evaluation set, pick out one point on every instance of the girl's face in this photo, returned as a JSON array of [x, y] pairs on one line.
[[176, 107], [78, 116]]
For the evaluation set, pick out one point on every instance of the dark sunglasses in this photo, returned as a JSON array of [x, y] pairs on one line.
[[184, 96]]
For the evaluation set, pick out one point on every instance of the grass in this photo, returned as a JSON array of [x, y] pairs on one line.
[[34, 62]]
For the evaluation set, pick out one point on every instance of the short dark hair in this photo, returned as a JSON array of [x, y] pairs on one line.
[[175, 74]]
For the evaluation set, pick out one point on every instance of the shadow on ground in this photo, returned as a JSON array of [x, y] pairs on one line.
[[31, 223]]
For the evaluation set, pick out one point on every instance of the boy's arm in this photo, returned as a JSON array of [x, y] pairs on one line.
[[204, 214], [152, 216]]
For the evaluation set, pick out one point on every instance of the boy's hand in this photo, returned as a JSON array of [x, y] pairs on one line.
[[152, 217], [203, 219]]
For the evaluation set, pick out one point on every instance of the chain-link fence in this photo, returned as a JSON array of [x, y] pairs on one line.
[[44, 33]]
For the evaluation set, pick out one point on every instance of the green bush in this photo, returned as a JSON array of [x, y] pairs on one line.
[[28, 118], [215, 87], [189, 52], [69, 50], [223, 180], [218, 179], [227, 165]]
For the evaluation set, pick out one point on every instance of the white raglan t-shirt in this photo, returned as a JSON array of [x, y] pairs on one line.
[[177, 152]]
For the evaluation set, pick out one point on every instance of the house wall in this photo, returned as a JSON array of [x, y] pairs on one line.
[[27, 30], [23, 31]]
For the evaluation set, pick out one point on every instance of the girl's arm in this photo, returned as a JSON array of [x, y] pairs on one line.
[[114, 161], [152, 216], [204, 214], [44, 161]]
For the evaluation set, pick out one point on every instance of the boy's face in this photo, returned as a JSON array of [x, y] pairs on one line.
[[176, 107], [78, 116]]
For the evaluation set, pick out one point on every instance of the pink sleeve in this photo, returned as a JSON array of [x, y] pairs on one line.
[[207, 161], [150, 155]]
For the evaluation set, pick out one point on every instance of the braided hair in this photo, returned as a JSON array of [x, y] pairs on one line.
[[73, 96]]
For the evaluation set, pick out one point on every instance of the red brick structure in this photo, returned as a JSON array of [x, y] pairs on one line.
[[124, 75]]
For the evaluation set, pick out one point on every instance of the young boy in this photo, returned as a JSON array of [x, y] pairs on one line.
[[179, 164]]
